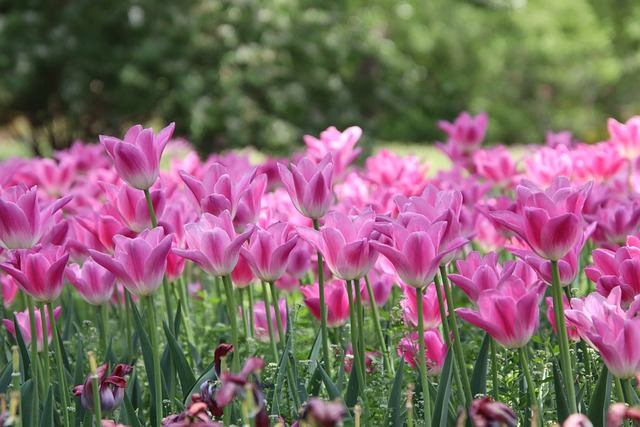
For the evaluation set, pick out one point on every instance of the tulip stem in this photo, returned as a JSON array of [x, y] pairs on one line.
[[35, 362], [495, 392], [243, 312], [355, 338], [104, 333], [62, 379], [153, 336], [272, 335], [186, 310], [457, 344], [561, 327], [360, 313], [231, 303], [524, 362], [252, 322], [422, 361], [95, 391], [630, 394], [127, 322], [46, 369], [376, 323], [323, 310]]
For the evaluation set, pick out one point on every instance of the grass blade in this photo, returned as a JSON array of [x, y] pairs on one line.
[[441, 407], [600, 399], [187, 379], [479, 375], [394, 417]]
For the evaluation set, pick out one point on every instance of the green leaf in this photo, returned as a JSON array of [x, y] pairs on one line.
[[129, 414], [5, 377], [187, 379], [394, 417], [47, 413], [315, 380], [479, 375], [562, 407], [277, 391], [600, 399], [78, 378], [353, 387], [24, 352], [177, 319], [301, 390], [441, 407], [332, 390], [208, 374]]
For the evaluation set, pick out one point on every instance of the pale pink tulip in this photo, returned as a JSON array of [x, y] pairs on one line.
[[431, 309], [9, 289], [626, 136], [130, 206], [339, 144], [260, 316]]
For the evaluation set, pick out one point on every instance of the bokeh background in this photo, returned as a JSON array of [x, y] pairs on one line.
[[233, 73]]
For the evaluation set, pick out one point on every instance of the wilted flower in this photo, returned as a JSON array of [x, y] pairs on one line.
[[487, 413], [111, 388], [320, 413]]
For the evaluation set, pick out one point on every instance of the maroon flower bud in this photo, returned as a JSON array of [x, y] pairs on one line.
[[111, 388], [320, 413], [194, 415], [486, 413]]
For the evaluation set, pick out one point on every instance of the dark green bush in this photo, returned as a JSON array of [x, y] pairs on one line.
[[263, 72]]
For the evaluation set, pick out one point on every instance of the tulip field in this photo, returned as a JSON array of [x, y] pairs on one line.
[[144, 286]]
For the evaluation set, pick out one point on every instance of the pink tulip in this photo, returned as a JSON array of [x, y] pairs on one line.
[[381, 284], [137, 157], [546, 164], [387, 169], [39, 271], [551, 221], [614, 332], [130, 205], [553, 139], [97, 232], [431, 309], [477, 274], [435, 350], [619, 412], [9, 289], [339, 144], [213, 243], [345, 243], [242, 274], [416, 252], [24, 324], [617, 220], [110, 388], [465, 135], [309, 186], [508, 313], [572, 331], [269, 250], [139, 263], [336, 300], [484, 412], [617, 269], [260, 316], [626, 137], [369, 358], [23, 221], [94, 283], [496, 166]]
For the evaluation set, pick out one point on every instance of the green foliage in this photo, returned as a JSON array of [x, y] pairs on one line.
[[232, 73]]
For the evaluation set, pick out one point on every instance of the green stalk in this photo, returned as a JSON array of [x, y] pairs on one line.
[[186, 310], [243, 311], [252, 323], [495, 392], [457, 344], [354, 339], [127, 321], [97, 409], [231, 304], [524, 361], [62, 379], [272, 335], [561, 327], [360, 313], [629, 392], [165, 282], [620, 395], [323, 310], [422, 362], [376, 323], [15, 381], [153, 336], [46, 368], [36, 375], [104, 333]]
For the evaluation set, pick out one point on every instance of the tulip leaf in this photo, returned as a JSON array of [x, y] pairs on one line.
[[441, 407], [78, 378], [353, 387], [315, 380], [479, 375], [177, 320], [5, 377], [562, 406], [394, 417], [27, 402], [276, 393], [24, 352], [332, 390], [301, 390], [47, 412], [129, 414], [209, 373], [187, 379], [600, 399]]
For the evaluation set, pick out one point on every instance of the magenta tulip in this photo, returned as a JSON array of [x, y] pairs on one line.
[[436, 350], [617, 269], [139, 263], [94, 282], [137, 157], [24, 320], [339, 144], [431, 310], [268, 252], [9, 289], [261, 325], [336, 298], [130, 206], [309, 186]]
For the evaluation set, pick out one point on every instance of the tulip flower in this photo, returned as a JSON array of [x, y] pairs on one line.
[[24, 324], [551, 220], [337, 302], [436, 350], [130, 206], [260, 316], [9, 289], [39, 271], [111, 388], [320, 413], [94, 282], [572, 331], [309, 186], [139, 263], [23, 219], [339, 144], [213, 244], [137, 157], [496, 166], [431, 310], [485, 412], [615, 222], [617, 269], [345, 243], [508, 313], [195, 414], [268, 252], [626, 136], [242, 274]]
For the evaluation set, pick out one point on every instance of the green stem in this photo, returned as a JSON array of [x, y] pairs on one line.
[[524, 361], [231, 304], [97, 410], [252, 322], [376, 323], [104, 333], [323, 310], [127, 321], [360, 312], [620, 395], [272, 335], [153, 336], [446, 331], [186, 310], [354, 339], [36, 375], [629, 392], [62, 379], [46, 369], [561, 327], [422, 361], [495, 392], [457, 344], [243, 311]]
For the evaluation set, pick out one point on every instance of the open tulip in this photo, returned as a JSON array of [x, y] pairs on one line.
[[110, 388], [431, 311], [137, 157], [139, 263], [336, 299], [339, 144]]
